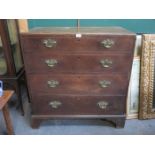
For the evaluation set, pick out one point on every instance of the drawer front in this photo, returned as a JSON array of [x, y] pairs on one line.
[[79, 84], [78, 105], [79, 63], [87, 43]]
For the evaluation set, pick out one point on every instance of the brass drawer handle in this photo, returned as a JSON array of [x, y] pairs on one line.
[[104, 83], [102, 104], [55, 104], [49, 43], [106, 63], [53, 83], [108, 43], [51, 62]]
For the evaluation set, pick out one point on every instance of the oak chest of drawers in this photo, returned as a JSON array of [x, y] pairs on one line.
[[80, 73]]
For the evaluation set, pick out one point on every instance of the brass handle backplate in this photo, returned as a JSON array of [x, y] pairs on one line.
[[106, 63], [53, 83], [104, 83], [49, 43], [108, 43], [51, 62], [102, 104], [55, 104]]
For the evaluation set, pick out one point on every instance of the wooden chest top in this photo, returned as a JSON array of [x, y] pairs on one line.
[[81, 30]]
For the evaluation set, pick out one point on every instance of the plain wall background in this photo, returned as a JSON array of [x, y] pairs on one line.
[[135, 25]]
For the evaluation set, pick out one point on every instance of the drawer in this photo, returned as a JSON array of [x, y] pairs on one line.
[[78, 84], [87, 43], [78, 105], [79, 63]]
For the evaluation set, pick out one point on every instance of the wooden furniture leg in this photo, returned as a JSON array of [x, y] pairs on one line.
[[19, 96], [35, 123], [118, 122], [7, 119]]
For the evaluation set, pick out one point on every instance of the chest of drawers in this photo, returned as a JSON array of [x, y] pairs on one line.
[[78, 74]]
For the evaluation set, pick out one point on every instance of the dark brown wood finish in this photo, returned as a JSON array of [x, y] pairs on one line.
[[78, 105], [78, 72], [79, 84], [117, 120], [67, 43], [81, 63]]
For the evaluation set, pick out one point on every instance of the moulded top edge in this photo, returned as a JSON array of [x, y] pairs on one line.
[[81, 30]]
